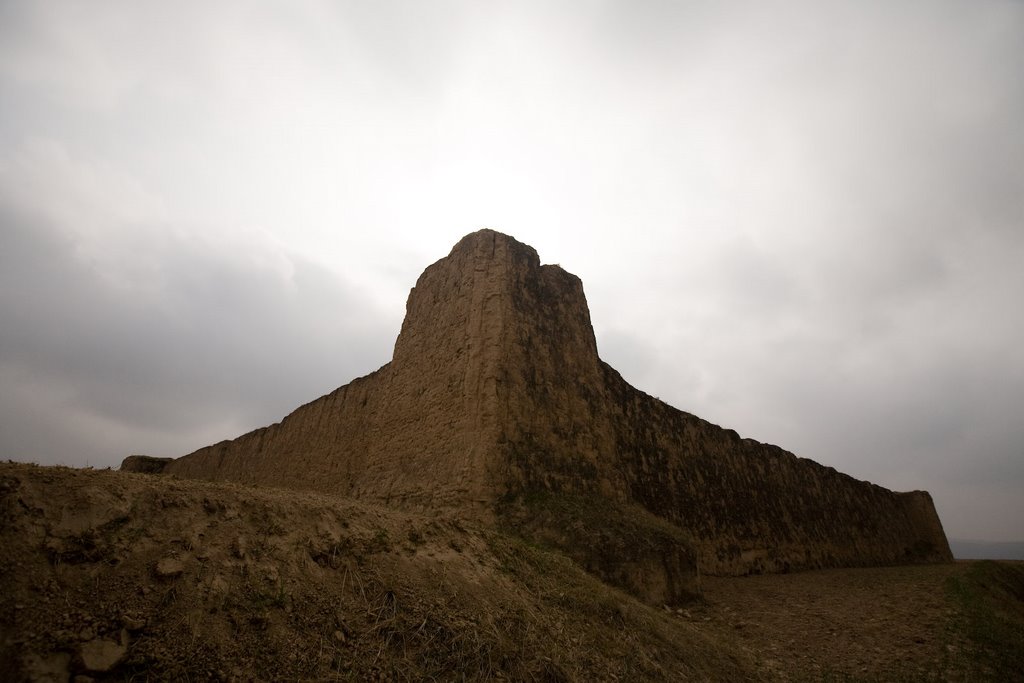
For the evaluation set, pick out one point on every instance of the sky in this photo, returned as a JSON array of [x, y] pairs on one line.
[[800, 220]]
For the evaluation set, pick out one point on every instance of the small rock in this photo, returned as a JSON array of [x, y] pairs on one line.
[[133, 623], [219, 586], [54, 667], [169, 568], [101, 655], [339, 636]]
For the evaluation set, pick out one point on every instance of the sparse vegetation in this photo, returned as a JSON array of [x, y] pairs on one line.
[[225, 583], [990, 600], [206, 581], [622, 544]]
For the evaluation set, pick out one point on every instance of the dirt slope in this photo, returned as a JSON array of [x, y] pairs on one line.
[[123, 576], [130, 576]]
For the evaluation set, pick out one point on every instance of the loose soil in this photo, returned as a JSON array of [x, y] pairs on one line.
[[881, 623]]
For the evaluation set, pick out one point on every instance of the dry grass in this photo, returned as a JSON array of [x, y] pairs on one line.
[[279, 585]]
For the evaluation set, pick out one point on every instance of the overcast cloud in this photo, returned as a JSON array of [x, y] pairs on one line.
[[800, 220]]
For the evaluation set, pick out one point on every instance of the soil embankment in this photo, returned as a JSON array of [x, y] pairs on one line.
[[120, 576]]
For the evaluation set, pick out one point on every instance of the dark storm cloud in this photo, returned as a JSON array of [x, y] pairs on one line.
[[200, 343]]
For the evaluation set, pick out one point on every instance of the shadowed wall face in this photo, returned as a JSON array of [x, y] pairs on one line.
[[496, 391]]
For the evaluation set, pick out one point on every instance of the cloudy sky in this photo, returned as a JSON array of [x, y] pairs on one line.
[[800, 220]]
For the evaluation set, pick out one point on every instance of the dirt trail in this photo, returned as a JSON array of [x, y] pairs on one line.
[[873, 623]]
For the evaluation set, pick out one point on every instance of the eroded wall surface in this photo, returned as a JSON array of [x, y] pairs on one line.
[[496, 389]]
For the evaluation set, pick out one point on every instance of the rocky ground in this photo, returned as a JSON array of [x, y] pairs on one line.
[[120, 576]]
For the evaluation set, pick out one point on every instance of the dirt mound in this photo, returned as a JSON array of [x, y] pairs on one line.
[[118, 575]]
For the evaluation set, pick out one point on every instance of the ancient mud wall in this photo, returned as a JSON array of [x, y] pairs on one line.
[[496, 390], [419, 431], [570, 423], [753, 507]]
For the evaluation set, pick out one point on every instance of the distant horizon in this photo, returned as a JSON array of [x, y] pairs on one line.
[[974, 549]]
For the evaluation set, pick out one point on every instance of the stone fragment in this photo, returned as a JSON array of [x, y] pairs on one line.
[[169, 568], [133, 623], [100, 655], [51, 668]]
